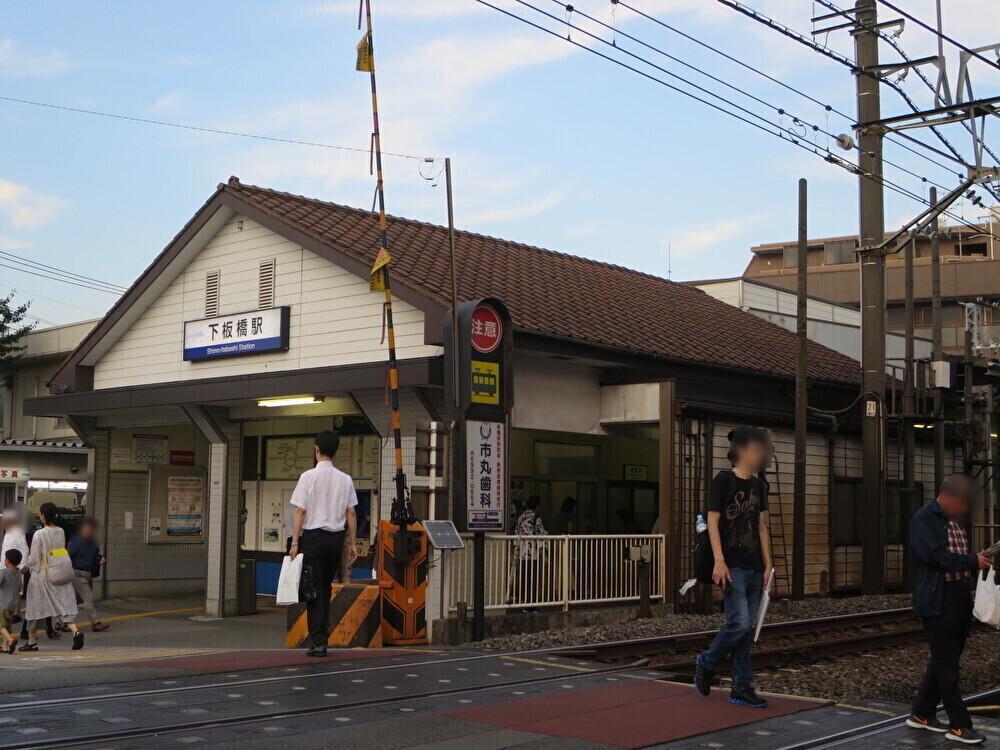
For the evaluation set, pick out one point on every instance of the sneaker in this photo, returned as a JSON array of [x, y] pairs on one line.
[[746, 696], [931, 724], [702, 678], [967, 736]]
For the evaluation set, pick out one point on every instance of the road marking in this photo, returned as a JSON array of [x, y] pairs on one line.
[[571, 667], [139, 615]]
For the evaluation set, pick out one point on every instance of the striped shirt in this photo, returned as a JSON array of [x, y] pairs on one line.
[[958, 544]]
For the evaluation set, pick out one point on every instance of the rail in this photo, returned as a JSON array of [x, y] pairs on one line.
[[528, 572]]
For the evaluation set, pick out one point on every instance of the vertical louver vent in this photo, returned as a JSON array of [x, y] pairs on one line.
[[265, 293], [212, 294]]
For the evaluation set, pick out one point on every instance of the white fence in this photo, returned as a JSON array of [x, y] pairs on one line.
[[543, 571]]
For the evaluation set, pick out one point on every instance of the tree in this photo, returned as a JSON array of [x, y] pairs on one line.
[[12, 329]]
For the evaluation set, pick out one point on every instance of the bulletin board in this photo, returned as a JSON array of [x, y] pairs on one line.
[[177, 506], [287, 456]]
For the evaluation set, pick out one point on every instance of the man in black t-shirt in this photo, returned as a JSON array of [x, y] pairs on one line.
[[737, 527]]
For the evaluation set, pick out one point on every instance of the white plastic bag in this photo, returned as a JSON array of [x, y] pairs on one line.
[[987, 607], [288, 581]]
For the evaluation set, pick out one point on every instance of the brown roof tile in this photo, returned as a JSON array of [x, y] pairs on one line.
[[557, 294]]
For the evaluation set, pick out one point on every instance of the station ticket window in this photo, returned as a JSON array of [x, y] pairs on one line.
[[272, 465]]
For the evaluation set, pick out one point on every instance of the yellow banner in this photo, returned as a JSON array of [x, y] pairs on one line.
[[376, 280], [365, 64]]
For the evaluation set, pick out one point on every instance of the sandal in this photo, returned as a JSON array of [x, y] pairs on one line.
[[99, 627], [12, 646], [77, 640], [29, 647]]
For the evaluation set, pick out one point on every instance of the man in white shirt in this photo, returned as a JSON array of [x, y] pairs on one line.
[[325, 521], [13, 536]]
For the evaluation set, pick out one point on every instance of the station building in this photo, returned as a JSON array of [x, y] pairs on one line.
[[201, 389], [41, 458]]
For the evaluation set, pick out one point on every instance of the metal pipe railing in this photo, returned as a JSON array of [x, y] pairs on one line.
[[527, 572]]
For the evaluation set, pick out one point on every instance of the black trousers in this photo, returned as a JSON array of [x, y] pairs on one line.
[[946, 635], [323, 552]]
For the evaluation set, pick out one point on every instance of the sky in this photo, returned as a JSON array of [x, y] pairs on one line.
[[551, 145]]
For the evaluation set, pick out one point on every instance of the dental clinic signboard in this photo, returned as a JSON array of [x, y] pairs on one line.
[[252, 332]]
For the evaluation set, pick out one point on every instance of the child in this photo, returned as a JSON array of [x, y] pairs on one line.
[[737, 526], [10, 586]]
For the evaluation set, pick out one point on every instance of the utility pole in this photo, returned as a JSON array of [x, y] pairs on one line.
[[872, 235], [907, 493], [454, 277], [801, 403], [938, 349]]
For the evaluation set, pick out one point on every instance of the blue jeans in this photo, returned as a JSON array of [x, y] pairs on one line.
[[742, 599]]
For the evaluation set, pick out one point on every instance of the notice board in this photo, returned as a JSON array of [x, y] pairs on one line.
[[177, 508]]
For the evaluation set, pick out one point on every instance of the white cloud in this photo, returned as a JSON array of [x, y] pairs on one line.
[[517, 211], [402, 8], [18, 62], [9, 243], [25, 208], [170, 100], [699, 238]]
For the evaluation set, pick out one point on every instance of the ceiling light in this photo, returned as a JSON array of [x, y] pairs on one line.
[[289, 401]]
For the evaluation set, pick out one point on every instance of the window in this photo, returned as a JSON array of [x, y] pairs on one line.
[[838, 251], [265, 285], [977, 250], [212, 280], [846, 517], [791, 256]]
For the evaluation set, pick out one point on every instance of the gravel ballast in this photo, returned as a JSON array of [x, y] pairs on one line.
[[889, 675], [672, 624]]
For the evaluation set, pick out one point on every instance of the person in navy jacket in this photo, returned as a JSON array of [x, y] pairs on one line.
[[941, 567]]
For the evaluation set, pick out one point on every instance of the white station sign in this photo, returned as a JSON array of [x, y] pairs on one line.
[[235, 335]]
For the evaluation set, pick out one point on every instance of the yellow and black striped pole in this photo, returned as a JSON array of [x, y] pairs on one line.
[[402, 510]]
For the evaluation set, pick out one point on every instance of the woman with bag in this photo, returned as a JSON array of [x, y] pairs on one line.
[[50, 590]]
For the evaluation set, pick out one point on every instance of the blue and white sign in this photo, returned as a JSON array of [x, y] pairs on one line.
[[486, 475], [235, 335]]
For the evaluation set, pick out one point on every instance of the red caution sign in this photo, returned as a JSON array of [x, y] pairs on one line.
[[487, 329]]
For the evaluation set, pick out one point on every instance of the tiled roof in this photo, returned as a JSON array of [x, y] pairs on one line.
[[557, 294]]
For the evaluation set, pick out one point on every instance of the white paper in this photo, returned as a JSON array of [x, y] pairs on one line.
[[288, 581], [688, 585], [765, 602]]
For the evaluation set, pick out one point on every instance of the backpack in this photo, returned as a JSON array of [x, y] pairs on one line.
[[703, 557]]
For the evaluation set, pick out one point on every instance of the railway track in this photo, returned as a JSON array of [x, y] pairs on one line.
[[781, 643], [798, 639], [879, 729]]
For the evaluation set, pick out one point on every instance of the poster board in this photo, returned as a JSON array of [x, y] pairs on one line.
[[177, 506]]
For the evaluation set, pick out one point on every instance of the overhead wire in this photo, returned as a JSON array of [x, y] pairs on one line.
[[60, 279], [202, 129], [770, 128], [894, 43], [950, 40], [828, 107], [780, 110], [843, 60], [4, 255]]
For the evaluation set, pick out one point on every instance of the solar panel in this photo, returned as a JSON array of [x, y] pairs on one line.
[[443, 535]]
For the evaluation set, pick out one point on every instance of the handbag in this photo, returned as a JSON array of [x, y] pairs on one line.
[[987, 607], [57, 563], [288, 581]]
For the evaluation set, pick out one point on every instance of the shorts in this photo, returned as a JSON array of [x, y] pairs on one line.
[[6, 619]]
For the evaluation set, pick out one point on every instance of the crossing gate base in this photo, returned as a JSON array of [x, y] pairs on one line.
[[355, 616]]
